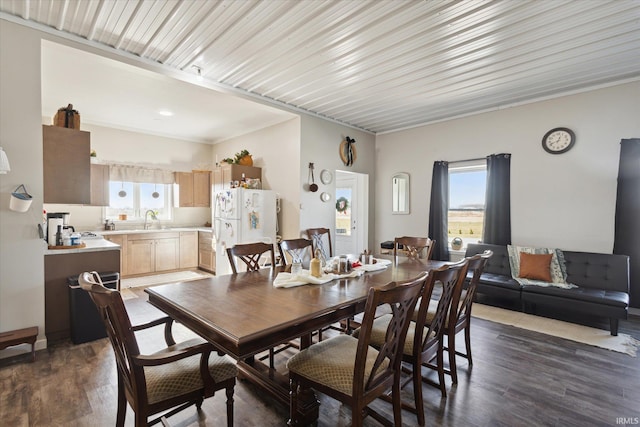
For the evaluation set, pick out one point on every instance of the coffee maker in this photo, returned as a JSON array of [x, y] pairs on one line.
[[55, 219]]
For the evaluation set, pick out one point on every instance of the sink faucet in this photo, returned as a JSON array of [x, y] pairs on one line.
[[146, 216]]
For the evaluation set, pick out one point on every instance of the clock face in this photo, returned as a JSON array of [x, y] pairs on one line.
[[558, 140]]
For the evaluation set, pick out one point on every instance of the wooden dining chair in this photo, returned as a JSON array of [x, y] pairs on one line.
[[295, 248], [349, 369], [172, 379], [460, 317], [321, 238], [250, 254], [425, 343], [413, 247]]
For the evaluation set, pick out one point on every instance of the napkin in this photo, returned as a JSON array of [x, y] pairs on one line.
[[288, 280], [380, 264]]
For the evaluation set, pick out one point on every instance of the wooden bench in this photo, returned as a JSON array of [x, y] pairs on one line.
[[20, 336]]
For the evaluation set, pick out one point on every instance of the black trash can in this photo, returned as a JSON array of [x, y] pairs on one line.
[[86, 324]]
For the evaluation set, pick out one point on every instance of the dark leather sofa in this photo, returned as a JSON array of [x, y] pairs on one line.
[[602, 280]]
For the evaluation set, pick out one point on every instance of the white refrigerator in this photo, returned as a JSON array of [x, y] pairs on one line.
[[242, 215]]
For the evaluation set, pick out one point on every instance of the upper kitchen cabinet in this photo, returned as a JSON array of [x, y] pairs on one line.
[[67, 166], [224, 174], [99, 185], [193, 189]]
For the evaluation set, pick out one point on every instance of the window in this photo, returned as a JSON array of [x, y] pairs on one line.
[[467, 187], [135, 199], [343, 211]]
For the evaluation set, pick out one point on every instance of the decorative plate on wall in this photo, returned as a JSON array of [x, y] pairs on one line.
[[326, 176]]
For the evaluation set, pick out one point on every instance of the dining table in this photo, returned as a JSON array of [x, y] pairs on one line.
[[245, 314]]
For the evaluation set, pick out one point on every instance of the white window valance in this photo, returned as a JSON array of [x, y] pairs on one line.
[[127, 173]]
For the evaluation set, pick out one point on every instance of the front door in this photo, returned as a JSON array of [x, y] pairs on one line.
[[351, 228]]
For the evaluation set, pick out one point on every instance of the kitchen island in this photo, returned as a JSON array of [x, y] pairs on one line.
[[60, 264]]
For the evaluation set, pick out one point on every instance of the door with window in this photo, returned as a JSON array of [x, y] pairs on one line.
[[351, 212]]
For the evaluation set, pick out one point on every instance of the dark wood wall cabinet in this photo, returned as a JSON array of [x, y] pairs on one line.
[[57, 269], [66, 165]]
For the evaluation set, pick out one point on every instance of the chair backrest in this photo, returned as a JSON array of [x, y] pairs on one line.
[[401, 298], [321, 239], [119, 330], [250, 253], [414, 247], [451, 277], [476, 267], [301, 249]]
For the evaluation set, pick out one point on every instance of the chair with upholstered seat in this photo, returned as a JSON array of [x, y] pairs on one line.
[[413, 247], [460, 317], [425, 343], [301, 249], [170, 380], [321, 239], [349, 369], [250, 254]]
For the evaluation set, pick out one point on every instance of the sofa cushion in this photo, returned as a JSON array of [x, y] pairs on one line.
[[500, 281], [535, 266], [599, 296]]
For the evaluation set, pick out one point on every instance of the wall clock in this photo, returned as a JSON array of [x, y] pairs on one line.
[[558, 140]]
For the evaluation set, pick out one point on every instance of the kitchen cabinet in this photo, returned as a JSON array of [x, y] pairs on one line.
[[120, 239], [226, 173], [152, 252], [206, 253], [99, 185], [57, 269], [66, 165], [193, 189], [188, 249]]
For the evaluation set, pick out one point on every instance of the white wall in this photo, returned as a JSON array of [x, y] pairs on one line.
[[565, 201], [126, 147], [21, 250], [320, 144]]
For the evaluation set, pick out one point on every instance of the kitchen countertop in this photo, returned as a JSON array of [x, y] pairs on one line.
[[93, 245], [151, 230]]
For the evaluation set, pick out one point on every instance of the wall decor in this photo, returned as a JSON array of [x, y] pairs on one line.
[[325, 197], [342, 204], [326, 177], [348, 151], [558, 140]]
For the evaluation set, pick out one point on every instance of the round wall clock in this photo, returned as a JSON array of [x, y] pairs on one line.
[[558, 140]]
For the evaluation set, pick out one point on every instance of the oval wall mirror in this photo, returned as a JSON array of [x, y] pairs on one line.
[[400, 193]]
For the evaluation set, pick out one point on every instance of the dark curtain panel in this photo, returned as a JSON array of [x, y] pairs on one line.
[[627, 229], [438, 210], [497, 214]]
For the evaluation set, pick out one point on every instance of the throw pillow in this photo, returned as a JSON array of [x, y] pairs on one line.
[[535, 266]]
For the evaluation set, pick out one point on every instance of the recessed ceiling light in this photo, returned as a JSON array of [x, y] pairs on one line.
[[165, 113]]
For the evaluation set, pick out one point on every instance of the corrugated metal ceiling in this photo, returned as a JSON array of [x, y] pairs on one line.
[[379, 65]]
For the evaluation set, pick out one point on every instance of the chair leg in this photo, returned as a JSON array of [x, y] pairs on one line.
[[467, 342], [452, 356], [230, 405], [397, 404], [122, 404], [443, 388], [417, 391], [293, 402], [613, 325]]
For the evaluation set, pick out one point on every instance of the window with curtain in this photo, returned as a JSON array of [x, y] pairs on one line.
[[135, 199], [467, 187], [134, 190]]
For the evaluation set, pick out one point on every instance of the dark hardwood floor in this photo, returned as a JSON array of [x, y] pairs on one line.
[[519, 378]]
